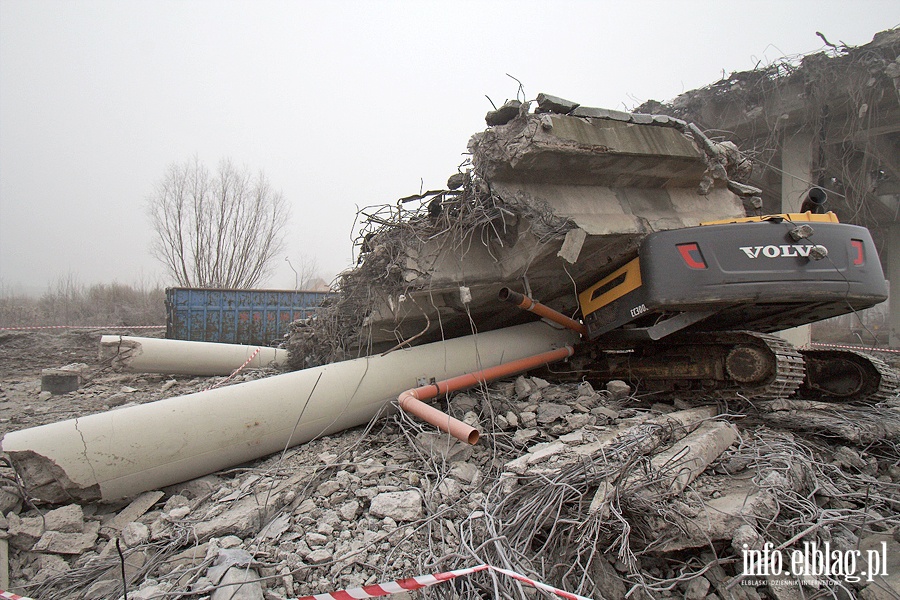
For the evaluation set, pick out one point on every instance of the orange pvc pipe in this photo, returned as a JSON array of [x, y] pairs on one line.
[[526, 303], [411, 400]]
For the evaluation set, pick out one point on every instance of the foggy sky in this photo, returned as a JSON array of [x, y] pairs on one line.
[[342, 104]]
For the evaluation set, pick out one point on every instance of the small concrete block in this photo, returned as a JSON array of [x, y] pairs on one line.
[[59, 381], [661, 119], [135, 509], [572, 245], [24, 531], [554, 104], [618, 115], [55, 542], [641, 118], [587, 111], [400, 506], [68, 519], [135, 534], [504, 114], [618, 388]]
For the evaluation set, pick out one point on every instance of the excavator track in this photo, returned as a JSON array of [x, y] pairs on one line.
[[781, 377], [720, 364], [847, 376]]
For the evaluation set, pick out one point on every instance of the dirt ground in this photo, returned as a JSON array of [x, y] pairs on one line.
[[324, 531], [24, 354]]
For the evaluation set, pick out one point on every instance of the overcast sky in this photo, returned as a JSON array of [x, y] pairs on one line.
[[342, 104]]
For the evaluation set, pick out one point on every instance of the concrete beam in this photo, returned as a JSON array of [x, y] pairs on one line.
[[121, 453], [180, 357]]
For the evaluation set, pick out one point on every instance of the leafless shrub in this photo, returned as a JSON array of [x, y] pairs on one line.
[[68, 302]]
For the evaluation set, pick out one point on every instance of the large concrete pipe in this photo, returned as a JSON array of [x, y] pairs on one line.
[[180, 357], [123, 452]]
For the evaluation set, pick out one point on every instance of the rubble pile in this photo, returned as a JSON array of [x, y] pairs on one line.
[[599, 492], [549, 185]]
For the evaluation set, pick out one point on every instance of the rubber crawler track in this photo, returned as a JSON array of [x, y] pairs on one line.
[[888, 377]]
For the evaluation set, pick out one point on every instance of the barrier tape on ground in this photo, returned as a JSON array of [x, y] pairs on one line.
[[407, 585], [422, 581], [235, 372], [82, 327], [856, 347]]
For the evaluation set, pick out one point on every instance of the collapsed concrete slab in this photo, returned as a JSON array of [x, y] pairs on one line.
[[123, 452], [547, 194], [181, 357]]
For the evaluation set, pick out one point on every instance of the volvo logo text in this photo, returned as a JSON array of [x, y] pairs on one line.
[[786, 251]]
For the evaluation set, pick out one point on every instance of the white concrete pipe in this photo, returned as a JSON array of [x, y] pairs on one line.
[[120, 453], [180, 357]]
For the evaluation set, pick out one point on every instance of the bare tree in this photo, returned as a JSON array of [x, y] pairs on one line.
[[217, 230]]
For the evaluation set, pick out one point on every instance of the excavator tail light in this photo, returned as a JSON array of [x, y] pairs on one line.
[[692, 256], [860, 258]]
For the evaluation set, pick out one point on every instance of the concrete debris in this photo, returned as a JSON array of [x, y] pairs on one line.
[[64, 379], [399, 506], [503, 115], [358, 507], [554, 104]]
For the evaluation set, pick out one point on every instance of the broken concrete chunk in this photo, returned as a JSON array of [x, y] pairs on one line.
[[449, 489], [548, 412], [135, 509], [618, 115], [50, 566], [348, 510], [456, 181], [587, 111], [607, 413], [554, 104], [465, 472], [241, 519], [68, 519], [641, 119], [619, 389], [444, 446], [400, 506], [68, 543], [524, 387], [135, 534], [504, 114], [24, 532], [233, 576], [847, 457], [697, 589]]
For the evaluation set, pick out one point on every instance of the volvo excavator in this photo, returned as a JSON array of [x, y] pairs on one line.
[[696, 308]]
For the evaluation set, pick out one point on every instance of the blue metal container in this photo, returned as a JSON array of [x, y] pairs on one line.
[[254, 317]]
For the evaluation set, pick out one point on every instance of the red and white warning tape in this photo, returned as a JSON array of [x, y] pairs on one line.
[[408, 585], [417, 583], [235, 372], [82, 327], [855, 347]]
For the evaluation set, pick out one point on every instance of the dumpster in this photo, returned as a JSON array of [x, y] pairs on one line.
[[257, 317]]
